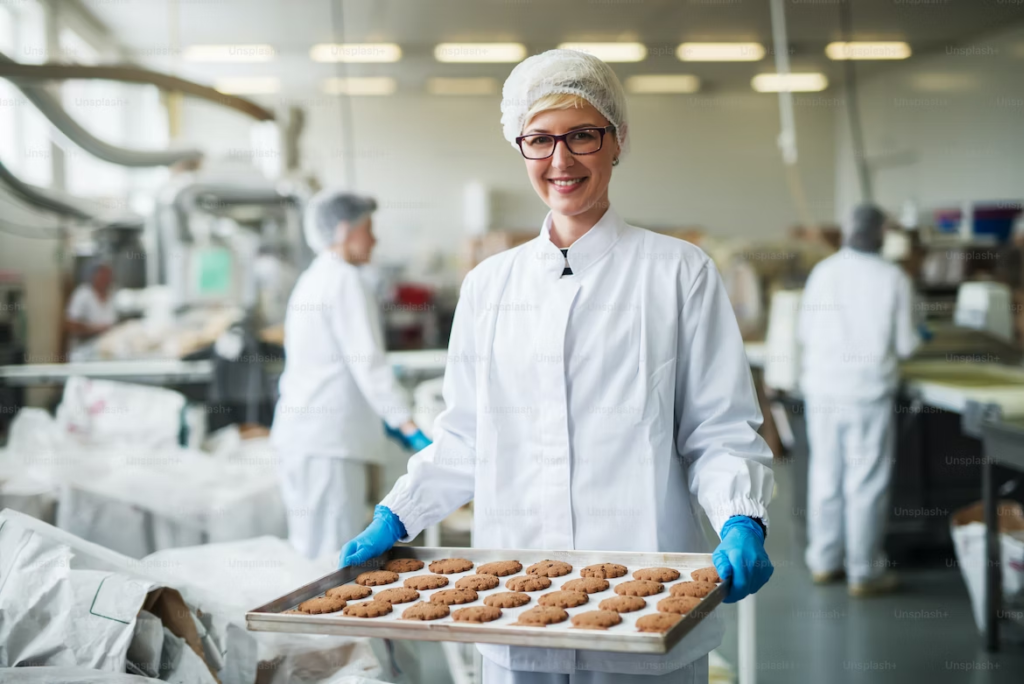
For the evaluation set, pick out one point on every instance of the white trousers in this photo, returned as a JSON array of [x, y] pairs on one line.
[[852, 457], [694, 673], [325, 500]]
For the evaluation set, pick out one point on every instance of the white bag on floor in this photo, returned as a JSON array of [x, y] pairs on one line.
[[968, 530], [103, 411], [213, 587], [54, 615]]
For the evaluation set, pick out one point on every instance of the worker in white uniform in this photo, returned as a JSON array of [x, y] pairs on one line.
[[337, 386], [856, 322], [91, 307], [596, 389]]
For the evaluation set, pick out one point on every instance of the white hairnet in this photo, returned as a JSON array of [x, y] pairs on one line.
[[327, 209], [866, 229], [562, 71]]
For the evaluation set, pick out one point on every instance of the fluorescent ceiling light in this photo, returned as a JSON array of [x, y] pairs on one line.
[[229, 53], [662, 83], [360, 85], [462, 86], [792, 82], [944, 82], [256, 85], [611, 52], [479, 52], [720, 52], [355, 52], [868, 50]]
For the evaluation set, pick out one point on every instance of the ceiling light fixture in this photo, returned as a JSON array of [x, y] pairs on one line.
[[720, 52], [355, 52]]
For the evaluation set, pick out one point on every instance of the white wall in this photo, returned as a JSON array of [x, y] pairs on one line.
[[941, 129], [707, 160]]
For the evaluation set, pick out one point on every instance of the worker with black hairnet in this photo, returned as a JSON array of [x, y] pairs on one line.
[[337, 385], [856, 323]]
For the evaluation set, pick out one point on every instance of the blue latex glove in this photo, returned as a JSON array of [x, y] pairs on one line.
[[924, 332], [395, 435], [380, 536], [418, 441], [741, 557]]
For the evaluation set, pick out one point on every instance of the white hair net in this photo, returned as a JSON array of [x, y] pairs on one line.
[[326, 209], [562, 71]]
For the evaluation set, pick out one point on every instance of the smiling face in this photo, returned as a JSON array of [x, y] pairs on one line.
[[572, 185]]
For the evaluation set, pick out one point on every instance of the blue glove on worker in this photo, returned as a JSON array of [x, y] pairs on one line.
[[924, 332], [742, 558], [415, 442], [381, 535], [418, 441]]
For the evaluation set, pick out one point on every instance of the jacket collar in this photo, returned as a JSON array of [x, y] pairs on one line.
[[587, 250]]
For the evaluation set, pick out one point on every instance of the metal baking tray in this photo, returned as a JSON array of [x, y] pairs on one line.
[[623, 637]]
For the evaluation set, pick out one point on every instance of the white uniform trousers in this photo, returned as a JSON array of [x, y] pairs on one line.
[[851, 463], [325, 500]]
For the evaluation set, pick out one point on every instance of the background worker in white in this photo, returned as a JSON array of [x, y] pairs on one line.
[[856, 322], [91, 308], [337, 384], [593, 400]]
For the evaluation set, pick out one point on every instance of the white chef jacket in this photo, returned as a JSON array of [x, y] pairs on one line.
[[856, 322], [86, 307], [588, 412], [337, 384]]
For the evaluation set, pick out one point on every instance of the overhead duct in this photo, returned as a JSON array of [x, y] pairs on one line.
[[51, 108], [42, 198]]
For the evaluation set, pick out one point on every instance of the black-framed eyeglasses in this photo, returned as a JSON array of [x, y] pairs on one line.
[[580, 141]]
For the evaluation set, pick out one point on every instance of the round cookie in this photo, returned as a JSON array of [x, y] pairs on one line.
[[425, 610], [447, 566], [657, 574], [604, 570], [678, 604], [708, 574], [367, 609], [596, 619], [450, 596], [563, 599], [425, 582], [397, 595], [478, 582], [477, 614], [549, 568], [588, 585], [403, 565], [542, 615], [694, 589], [639, 588], [622, 604], [322, 604], [350, 592], [376, 578], [500, 568], [507, 599], [528, 583], [659, 622]]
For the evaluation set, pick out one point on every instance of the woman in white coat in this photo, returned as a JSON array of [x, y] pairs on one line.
[[596, 390], [337, 385]]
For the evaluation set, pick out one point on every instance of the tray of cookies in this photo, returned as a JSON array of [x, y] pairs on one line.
[[592, 600]]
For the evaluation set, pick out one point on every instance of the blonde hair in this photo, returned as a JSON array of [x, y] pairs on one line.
[[556, 101]]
